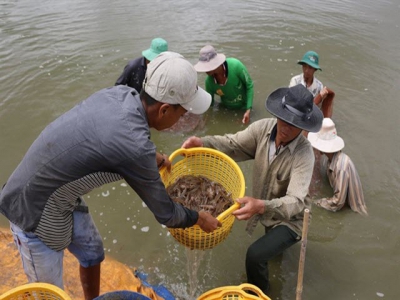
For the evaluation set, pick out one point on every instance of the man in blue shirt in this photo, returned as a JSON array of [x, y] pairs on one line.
[[103, 139]]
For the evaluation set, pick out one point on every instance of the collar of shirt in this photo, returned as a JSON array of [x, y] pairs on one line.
[[273, 153], [291, 145], [225, 66], [313, 88]]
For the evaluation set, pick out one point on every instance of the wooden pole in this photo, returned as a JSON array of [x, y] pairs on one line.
[[299, 289]]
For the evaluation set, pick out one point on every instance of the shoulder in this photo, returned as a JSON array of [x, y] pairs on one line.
[[343, 160], [263, 125], [297, 78], [318, 82], [234, 62], [137, 62], [302, 149], [265, 122]]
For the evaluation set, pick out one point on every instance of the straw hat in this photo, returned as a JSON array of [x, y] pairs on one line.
[[326, 140], [209, 59]]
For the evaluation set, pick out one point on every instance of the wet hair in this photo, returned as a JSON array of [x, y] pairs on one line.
[[151, 101]]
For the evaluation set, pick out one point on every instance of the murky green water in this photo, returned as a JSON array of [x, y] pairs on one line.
[[55, 53]]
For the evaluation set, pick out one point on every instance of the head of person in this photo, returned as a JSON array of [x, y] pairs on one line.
[[326, 140], [209, 60], [295, 110], [157, 46], [170, 90], [310, 64]]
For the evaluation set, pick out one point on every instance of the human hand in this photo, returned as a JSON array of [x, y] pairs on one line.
[[163, 161], [324, 92], [167, 162], [191, 142], [207, 222], [319, 201], [250, 207], [246, 117]]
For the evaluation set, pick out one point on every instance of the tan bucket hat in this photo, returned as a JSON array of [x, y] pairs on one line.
[[209, 59]]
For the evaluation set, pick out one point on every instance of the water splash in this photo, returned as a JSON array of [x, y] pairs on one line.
[[194, 259]]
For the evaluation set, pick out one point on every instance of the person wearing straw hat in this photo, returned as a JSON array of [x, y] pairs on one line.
[[282, 169], [228, 78], [135, 70], [341, 171], [103, 139], [323, 96]]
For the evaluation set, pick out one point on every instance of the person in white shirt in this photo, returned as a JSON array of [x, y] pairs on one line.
[[323, 96]]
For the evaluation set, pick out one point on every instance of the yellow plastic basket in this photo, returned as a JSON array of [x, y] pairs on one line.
[[234, 293], [217, 167], [35, 291]]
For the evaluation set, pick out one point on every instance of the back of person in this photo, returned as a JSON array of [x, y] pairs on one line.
[[341, 171], [102, 139], [134, 72]]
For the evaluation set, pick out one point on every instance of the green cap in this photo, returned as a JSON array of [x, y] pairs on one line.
[[311, 58], [157, 46]]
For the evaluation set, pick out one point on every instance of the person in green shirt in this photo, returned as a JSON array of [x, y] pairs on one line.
[[228, 78]]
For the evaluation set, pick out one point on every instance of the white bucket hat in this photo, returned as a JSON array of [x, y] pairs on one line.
[[209, 59], [326, 140], [171, 79]]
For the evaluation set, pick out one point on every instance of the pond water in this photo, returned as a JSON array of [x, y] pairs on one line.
[[54, 54]]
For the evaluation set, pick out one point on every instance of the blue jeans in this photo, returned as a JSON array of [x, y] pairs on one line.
[[42, 264]]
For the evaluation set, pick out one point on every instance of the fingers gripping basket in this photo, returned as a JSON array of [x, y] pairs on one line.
[[217, 167]]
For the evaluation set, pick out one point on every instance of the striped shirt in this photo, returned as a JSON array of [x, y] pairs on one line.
[[103, 139], [55, 225], [346, 184]]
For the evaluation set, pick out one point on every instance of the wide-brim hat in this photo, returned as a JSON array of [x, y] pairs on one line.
[[295, 106], [157, 46], [209, 59], [170, 78], [326, 140], [310, 58]]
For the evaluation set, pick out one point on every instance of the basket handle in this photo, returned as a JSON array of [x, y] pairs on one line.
[[255, 289], [229, 291], [181, 151], [184, 151], [227, 212]]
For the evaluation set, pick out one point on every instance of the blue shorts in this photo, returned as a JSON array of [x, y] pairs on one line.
[[42, 264]]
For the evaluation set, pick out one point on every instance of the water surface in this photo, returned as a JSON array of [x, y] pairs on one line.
[[54, 54]]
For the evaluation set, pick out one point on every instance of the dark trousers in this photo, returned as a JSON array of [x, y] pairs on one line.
[[271, 244]]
